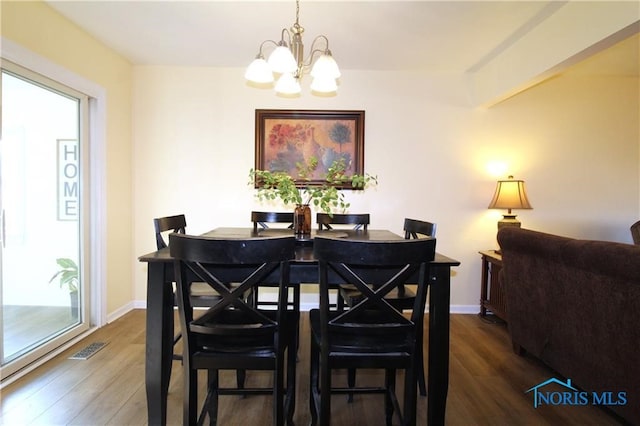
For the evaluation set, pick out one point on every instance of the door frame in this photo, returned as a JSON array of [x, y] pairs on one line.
[[95, 223]]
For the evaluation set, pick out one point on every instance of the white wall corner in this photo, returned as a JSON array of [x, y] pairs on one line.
[[572, 32]]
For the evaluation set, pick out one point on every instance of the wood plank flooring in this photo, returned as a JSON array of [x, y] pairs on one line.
[[487, 386]]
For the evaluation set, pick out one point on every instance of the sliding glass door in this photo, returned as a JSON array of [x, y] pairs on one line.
[[42, 171]]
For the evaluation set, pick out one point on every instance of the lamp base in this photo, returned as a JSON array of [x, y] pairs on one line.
[[508, 220]]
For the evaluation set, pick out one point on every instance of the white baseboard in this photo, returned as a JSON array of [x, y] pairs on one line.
[[465, 309], [124, 309]]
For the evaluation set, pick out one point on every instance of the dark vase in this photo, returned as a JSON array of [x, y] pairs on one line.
[[302, 219]]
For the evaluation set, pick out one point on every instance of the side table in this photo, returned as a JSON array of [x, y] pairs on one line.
[[492, 297]]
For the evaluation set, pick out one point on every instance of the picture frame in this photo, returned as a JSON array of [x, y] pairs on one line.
[[285, 138]]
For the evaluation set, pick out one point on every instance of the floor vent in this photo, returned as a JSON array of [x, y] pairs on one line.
[[89, 351]]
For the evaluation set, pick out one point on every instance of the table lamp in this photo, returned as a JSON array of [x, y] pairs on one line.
[[510, 194]]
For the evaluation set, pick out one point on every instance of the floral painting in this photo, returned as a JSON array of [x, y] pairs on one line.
[[285, 139]]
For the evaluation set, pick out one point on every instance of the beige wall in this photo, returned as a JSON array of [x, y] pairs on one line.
[[573, 139], [36, 27], [182, 140]]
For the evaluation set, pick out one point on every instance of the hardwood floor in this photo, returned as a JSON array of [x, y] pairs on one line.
[[487, 386]]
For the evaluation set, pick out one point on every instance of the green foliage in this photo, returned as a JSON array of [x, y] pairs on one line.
[[326, 196], [67, 275]]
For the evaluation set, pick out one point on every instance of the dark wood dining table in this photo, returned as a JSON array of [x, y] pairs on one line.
[[304, 269]]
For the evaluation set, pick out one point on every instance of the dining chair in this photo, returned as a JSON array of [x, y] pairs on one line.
[[233, 334], [414, 229], [402, 297], [262, 219], [635, 232], [166, 225], [358, 220], [201, 294], [373, 334]]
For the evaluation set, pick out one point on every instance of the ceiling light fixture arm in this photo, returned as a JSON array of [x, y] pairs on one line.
[[260, 55], [315, 50]]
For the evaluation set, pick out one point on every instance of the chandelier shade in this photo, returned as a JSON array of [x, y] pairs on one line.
[[281, 60], [259, 72], [325, 66], [287, 64], [288, 85], [324, 85]]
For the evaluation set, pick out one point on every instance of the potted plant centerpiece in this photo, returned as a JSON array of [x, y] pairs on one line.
[[326, 195], [67, 276]]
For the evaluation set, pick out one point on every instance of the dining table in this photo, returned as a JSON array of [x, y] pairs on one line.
[[304, 269]]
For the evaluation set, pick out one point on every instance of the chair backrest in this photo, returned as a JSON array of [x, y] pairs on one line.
[[374, 268], [262, 218], [168, 224], [231, 267], [635, 232], [358, 220], [414, 228]]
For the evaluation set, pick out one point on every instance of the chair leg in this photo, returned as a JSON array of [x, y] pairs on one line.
[[211, 401], [292, 359], [422, 385], [313, 381], [240, 378], [410, 394], [325, 391], [339, 302], [420, 360], [278, 386], [176, 339], [390, 385], [190, 397], [351, 382]]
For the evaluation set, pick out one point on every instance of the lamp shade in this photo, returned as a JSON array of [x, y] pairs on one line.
[[510, 194]]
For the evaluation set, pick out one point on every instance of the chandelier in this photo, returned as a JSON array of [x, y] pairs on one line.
[[287, 64]]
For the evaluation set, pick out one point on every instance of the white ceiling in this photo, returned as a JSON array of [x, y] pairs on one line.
[[448, 36]]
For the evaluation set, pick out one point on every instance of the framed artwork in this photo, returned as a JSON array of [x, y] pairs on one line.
[[287, 138]]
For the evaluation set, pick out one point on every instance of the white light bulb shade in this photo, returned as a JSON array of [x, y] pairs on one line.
[[288, 85], [324, 85], [325, 66], [259, 71], [281, 60]]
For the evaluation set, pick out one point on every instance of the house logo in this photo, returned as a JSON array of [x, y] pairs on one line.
[[569, 395]]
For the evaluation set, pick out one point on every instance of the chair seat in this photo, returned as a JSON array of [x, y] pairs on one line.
[[352, 344]]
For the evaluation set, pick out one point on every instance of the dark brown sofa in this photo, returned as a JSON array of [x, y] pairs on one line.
[[575, 305]]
